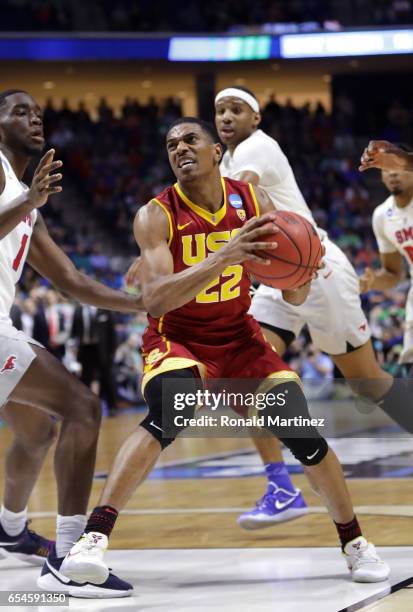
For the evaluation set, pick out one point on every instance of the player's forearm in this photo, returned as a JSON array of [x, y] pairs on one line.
[[384, 279], [296, 297], [14, 213], [175, 290], [88, 291]]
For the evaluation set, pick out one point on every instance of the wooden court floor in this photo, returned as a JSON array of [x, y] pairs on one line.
[[202, 513]]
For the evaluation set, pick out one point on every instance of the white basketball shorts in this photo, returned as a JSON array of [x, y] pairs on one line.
[[332, 310], [16, 356]]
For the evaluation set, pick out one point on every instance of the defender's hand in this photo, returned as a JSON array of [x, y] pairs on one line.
[[44, 179], [366, 280], [245, 244], [384, 156], [132, 277]]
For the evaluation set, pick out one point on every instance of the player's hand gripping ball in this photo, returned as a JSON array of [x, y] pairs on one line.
[[296, 259]]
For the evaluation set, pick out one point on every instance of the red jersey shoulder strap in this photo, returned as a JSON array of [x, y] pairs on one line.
[[254, 199], [168, 214], [163, 200]]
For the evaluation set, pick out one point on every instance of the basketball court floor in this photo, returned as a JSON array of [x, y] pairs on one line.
[[179, 544]]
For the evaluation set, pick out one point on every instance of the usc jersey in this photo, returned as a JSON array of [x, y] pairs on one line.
[[220, 309], [213, 333]]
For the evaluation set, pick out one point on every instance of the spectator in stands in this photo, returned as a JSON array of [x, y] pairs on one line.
[[58, 326], [211, 16], [94, 331], [129, 369]]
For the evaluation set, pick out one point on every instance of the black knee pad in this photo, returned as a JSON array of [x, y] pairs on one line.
[[308, 451], [301, 437], [160, 400]]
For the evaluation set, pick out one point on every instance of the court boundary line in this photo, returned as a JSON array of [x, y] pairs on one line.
[[180, 462], [221, 455], [236, 452], [364, 510], [379, 596]]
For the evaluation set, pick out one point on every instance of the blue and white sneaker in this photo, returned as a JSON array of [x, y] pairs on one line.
[[52, 579], [28, 546], [277, 506]]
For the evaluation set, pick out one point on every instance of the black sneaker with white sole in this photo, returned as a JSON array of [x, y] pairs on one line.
[[53, 580]]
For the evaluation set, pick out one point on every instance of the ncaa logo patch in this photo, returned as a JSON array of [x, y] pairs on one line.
[[235, 200], [241, 214]]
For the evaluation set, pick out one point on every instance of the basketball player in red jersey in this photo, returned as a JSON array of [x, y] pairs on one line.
[[194, 238]]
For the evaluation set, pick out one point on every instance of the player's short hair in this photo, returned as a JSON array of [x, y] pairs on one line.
[[248, 91], [9, 92], [207, 127]]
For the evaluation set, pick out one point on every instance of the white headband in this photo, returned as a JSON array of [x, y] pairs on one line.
[[233, 92]]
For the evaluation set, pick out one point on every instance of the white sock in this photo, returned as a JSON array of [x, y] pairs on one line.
[[68, 531], [13, 523]]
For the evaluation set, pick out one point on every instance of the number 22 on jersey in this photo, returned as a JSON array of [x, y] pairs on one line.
[[229, 289], [195, 249]]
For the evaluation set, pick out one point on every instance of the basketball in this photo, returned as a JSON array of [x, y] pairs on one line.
[[295, 259]]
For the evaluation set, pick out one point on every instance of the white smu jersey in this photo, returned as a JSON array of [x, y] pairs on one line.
[[15, 246], [393, 228], [262, 154]]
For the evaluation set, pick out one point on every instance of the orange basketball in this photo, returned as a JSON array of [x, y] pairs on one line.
[[295, 259]]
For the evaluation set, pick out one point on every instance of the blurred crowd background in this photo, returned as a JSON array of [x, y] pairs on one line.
[[195, 16], [114, 162]]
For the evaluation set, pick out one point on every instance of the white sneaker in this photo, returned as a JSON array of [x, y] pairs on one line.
[[364, 563], [53, 580], [84, 562]]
